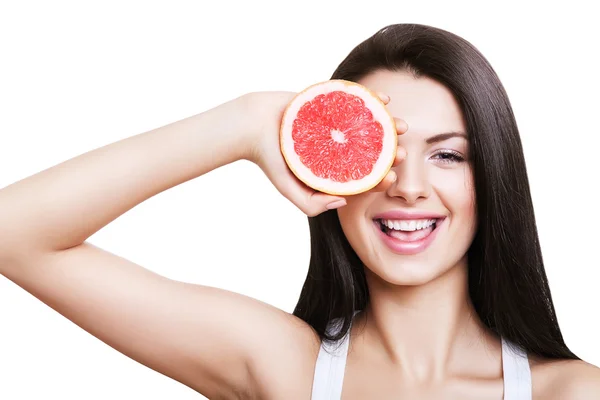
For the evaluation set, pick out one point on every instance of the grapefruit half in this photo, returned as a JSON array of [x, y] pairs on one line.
[[338, 137]]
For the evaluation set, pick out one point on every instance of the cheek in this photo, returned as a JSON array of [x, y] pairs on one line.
[[352, 219], [349, 214], [456, 190], [457, 193]]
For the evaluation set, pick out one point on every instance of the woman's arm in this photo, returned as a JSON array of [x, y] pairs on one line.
[[62, 206], [217, 342]]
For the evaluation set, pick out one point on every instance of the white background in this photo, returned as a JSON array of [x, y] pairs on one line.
[[76, 76]]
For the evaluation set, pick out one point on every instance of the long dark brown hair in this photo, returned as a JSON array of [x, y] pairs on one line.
[[507, 281]]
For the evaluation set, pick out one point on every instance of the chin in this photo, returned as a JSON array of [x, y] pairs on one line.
[[415, 272], [406, 273]]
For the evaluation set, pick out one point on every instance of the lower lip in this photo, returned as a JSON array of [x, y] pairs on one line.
[[403, 247]]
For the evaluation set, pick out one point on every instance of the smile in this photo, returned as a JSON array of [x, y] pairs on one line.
[[408, 236]]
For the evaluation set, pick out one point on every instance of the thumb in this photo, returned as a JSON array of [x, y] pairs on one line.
[[310, 201]]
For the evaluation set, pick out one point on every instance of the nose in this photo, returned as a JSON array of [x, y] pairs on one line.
[[412, 182]]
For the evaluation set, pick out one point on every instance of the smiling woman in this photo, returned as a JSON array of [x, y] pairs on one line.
[[435, 193], [430, 285]]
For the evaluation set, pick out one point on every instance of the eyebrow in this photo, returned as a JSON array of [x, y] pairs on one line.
[[444, 136]]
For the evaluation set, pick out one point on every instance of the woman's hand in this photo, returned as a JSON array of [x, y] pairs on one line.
[[267, 109]]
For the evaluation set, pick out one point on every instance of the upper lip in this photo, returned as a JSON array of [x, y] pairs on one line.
[[412, 214]]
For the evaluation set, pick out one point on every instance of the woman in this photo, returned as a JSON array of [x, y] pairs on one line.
[[466, 314]]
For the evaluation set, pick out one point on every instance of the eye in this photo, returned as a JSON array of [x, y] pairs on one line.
[[448, 156]]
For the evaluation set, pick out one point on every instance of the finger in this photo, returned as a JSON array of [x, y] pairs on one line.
[[400, 156], [313, 202], [401, 126], [310, 201], [330, 202], [387, 181], [383, 97]]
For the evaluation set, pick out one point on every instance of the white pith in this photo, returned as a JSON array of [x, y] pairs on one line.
[[338, 136], [380, 114], [408, 225]]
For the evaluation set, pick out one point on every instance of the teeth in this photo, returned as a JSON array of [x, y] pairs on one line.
[[408, 225]]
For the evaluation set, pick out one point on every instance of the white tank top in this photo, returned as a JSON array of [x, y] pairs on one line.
[[331, 363]]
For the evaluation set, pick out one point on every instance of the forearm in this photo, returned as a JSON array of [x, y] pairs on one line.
[[62, 206]]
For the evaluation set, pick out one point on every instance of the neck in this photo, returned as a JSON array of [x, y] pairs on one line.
[[424, 330]]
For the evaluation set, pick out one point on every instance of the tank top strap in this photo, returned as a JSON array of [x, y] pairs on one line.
[[516, 371], [331, 364]]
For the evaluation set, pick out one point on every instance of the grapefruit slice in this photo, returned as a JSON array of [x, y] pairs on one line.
[[338, 137]]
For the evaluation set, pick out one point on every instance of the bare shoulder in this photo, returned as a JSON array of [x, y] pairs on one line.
[[565, 379], [284, 368]]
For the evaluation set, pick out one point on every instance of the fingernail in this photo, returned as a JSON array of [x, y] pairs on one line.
[[336, 204], [402, 125]]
